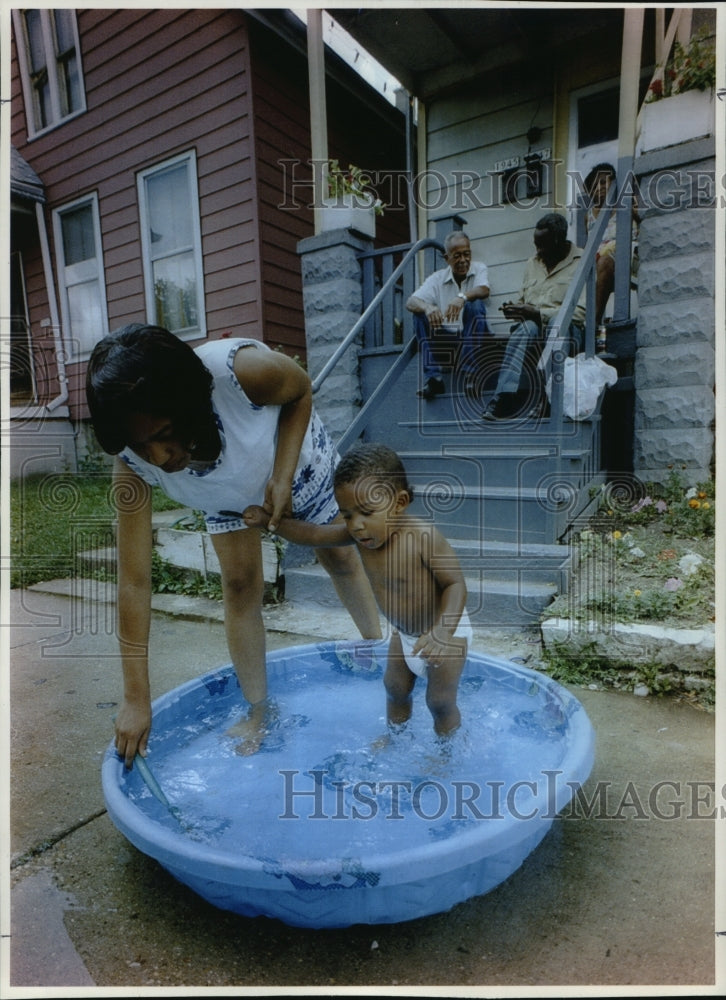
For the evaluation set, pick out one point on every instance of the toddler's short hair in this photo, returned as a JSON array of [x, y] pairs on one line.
[[372, 461]]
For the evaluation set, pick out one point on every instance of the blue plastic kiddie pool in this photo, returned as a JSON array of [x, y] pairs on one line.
[[321, 828]]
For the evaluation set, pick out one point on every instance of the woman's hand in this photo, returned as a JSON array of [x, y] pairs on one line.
[[133, 726], [277, 502]]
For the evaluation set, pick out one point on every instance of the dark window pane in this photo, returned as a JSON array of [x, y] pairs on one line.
[[597, 117]]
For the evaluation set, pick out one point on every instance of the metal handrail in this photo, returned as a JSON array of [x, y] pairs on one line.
[[370, 309]]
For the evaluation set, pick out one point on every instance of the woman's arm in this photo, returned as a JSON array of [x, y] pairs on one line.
[[270, 378], [300, 532], [134, 543]]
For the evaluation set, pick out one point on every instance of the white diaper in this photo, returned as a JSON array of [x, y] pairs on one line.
[[417, 664]]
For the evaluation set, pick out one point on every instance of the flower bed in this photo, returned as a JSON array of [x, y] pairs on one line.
[[640, 613]]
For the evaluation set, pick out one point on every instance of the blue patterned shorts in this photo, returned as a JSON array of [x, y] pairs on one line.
[[313, 498]]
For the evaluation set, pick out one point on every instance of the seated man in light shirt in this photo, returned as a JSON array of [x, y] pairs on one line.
[[454, 296], [547, 277]]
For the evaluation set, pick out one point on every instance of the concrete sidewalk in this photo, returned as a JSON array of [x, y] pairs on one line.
[[625, 898]]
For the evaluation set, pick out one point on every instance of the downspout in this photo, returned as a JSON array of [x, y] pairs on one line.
[[60, 356], [629, 83]]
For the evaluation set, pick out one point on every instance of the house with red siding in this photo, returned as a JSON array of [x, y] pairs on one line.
[[150, 154]]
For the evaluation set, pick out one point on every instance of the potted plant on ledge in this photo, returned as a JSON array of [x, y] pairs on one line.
[[679, 106], [351, 202]]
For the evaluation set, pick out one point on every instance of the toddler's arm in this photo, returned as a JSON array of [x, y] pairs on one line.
[[299, 532], [436, 644]]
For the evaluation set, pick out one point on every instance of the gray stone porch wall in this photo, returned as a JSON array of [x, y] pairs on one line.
[[674, 364], [333, 301]]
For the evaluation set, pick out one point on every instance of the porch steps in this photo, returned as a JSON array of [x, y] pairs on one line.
[[495, 599]]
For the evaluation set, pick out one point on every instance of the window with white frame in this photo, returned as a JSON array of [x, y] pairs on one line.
[[171, 245], [80, 275], [50, 66]]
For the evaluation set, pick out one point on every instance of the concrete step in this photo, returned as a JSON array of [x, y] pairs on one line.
[[516, 515], [502, 465], [191, 550], [507, 585], [475, 434]]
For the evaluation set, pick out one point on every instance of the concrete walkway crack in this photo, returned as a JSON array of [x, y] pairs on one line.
[[49, 842]]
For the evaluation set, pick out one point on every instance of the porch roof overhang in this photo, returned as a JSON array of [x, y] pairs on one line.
[[432, 50], [25, 185]]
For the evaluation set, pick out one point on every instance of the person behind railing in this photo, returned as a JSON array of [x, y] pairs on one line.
[[452, 296], [597, 185], [547, 276]]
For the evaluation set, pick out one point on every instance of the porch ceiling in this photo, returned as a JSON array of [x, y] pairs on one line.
[[432, 50]]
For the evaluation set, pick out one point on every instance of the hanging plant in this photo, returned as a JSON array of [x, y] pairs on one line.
[[691, 67]]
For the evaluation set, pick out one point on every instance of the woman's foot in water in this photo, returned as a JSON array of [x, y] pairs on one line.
[[252, 730]]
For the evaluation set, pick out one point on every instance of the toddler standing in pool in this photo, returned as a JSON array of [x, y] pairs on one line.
[[414, 573]]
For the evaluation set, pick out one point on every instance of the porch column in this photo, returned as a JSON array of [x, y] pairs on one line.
[[675, 367], [333, 302], [629, 83], [318, 114]]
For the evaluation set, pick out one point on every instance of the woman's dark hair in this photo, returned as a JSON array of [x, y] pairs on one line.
[[375, 462], [599, 168], [146, 369]]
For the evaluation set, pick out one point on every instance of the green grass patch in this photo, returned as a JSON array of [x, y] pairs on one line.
[[56, 517]]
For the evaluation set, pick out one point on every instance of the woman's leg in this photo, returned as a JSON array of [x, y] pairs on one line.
[[240, 560], [352, 587]]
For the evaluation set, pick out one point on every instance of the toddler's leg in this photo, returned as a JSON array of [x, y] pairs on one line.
[[399, 682], [443, 683]]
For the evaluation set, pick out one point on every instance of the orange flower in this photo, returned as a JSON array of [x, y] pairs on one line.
[[667, 554], [695, 504]]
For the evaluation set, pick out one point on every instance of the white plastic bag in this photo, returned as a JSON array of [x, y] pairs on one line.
[[585, 380]]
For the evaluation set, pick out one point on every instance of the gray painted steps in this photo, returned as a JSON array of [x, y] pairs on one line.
[[492, 601]]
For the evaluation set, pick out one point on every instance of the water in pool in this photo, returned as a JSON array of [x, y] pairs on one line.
[[319, 788]]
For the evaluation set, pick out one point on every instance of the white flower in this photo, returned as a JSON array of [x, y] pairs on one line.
[[689, 563], [637, 553], [690, 494]]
